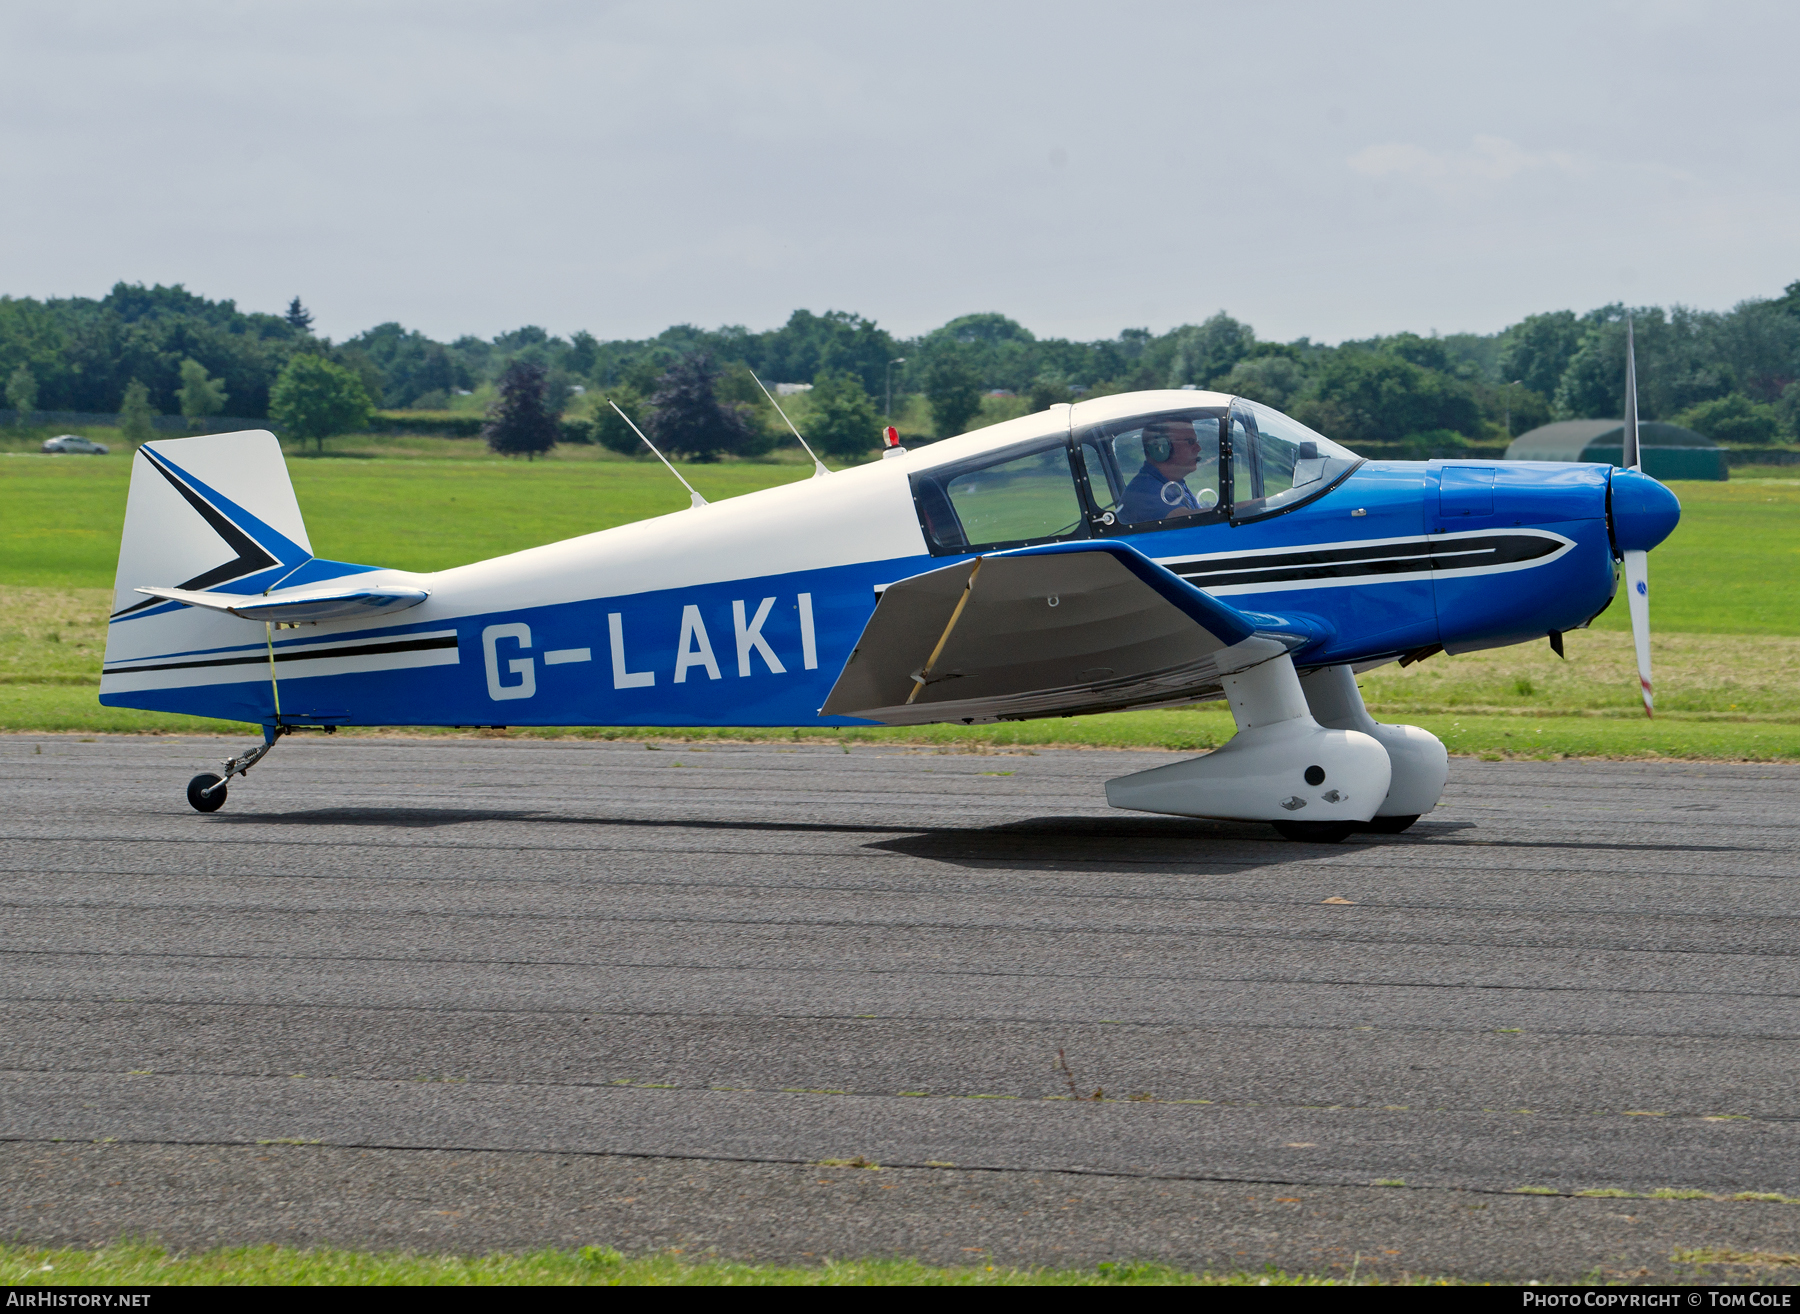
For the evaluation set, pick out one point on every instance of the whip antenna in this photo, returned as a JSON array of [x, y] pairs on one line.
[[818, 465], [698, 500]]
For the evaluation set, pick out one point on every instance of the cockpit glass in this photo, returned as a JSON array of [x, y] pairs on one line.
[[1023, 494], [1277, 461], [1154, 470]]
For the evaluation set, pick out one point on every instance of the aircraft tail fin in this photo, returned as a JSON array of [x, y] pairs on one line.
[[213, 539], [211, 512]]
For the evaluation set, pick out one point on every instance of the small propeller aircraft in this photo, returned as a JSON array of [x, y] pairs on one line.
[[1145, 549]]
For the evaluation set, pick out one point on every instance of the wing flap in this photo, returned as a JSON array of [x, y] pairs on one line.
[[1066, 628]]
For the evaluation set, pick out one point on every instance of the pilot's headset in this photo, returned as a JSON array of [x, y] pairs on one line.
[[1157, 444]]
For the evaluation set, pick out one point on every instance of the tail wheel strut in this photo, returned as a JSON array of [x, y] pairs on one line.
[[206, 791]]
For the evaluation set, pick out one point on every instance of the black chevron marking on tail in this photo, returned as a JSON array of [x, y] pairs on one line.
[[251, 555]]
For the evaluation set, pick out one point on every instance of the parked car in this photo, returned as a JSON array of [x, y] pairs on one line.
[[73, 442]]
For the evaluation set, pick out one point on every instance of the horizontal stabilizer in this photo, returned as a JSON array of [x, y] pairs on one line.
[[1052, 630], [293, 606]]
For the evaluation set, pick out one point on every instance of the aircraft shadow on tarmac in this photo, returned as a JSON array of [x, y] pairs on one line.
[[1122, 843], [1127, 844], [387, 818], [408, 818]]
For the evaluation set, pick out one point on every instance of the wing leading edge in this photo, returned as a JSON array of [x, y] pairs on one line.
[[1055, 630]]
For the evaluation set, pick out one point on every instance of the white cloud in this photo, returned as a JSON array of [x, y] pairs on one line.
[[1660, 15], [1460, 174], [622, 165]]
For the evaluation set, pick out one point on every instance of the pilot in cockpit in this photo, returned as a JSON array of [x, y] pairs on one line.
[[1159, 491]]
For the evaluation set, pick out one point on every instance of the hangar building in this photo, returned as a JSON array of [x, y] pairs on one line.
[[1669, 451]]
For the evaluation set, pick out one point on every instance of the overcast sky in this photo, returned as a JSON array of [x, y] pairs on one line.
[[1335, 170]]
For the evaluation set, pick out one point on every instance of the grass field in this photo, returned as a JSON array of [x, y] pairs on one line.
[[1721, 696], [1732, 565], [412, 508], [1726, 608], [1730, 568], [129, 1264]]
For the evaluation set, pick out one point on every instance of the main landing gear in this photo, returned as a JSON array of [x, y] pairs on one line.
[[1388, 825], [1330, 832], [1315, 832], [1308, 758]]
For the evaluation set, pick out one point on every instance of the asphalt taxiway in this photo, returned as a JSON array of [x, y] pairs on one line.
[[476, 994]]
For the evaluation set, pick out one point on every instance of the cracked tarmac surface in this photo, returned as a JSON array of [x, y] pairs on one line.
[[480, 994]]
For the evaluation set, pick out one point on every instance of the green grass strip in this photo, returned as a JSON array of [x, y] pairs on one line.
[[72, 709], [1727, 569], [137, 1264]]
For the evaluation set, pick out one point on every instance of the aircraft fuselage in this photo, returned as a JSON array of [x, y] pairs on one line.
[[743, 613]]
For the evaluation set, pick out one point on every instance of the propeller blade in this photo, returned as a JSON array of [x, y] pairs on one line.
[[1637, 595], [1637, 563], [1631, 458]]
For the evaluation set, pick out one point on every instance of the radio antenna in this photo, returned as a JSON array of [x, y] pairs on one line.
[[698, 500], [818, 465]]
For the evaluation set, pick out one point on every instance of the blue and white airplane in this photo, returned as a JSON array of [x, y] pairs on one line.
[[1141, 550]]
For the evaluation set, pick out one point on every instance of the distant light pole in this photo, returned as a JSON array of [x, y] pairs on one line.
[[889, 412], [1506, 402]]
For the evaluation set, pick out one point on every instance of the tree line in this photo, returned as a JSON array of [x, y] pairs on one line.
[[139, 351]]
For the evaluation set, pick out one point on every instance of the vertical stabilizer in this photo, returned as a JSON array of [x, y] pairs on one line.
[[212, 526], [213, 512]]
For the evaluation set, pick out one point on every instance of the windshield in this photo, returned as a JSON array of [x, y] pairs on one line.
[[1276, 461]]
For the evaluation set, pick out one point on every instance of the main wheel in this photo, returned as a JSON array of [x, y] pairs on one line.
[[1314, 832], [206, 802], [1388, 825]]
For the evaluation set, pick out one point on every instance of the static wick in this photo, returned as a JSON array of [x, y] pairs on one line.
[[818, 465], [698, 500]]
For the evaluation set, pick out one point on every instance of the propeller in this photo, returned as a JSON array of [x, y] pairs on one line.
[[1637, 560]]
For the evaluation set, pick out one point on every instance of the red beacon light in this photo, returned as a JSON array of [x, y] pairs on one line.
[[890, 443]]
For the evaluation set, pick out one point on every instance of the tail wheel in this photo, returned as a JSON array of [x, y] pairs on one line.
[[206, 802], [1388, 825], [1314, 832]]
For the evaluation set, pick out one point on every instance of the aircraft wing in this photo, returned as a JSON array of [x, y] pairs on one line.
[[1058, 629]]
